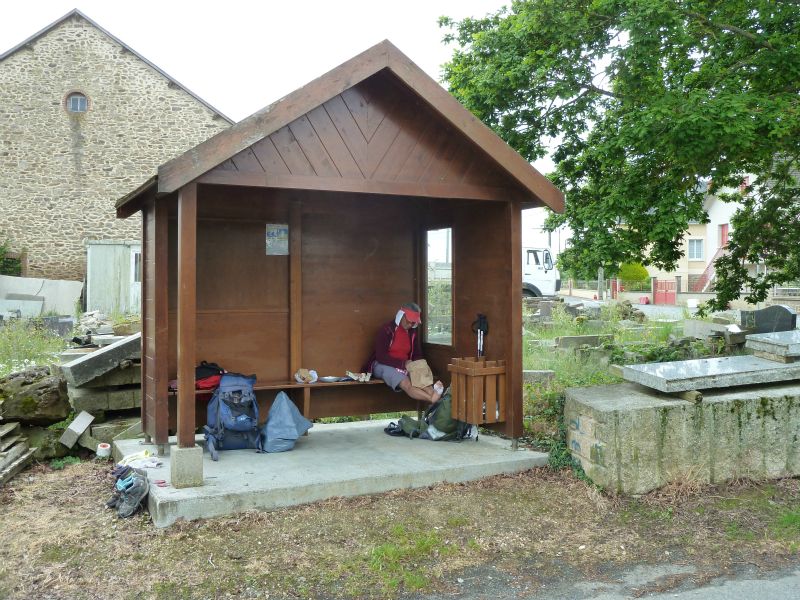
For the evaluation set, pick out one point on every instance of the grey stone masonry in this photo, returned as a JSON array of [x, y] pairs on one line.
[[707, 373], [783, 343], [96, 400], [88, 367], [631, 440], [576, 341], [530, 376], [61, 172]]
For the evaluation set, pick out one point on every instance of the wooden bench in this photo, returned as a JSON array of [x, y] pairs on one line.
[[307, 388]]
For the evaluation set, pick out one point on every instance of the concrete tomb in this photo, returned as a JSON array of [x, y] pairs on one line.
[[782, 343], [632, 440], [701, 374]]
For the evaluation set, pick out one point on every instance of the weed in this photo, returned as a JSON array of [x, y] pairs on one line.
[[788, 524], [734, 531], [25, 344], [59, 463]]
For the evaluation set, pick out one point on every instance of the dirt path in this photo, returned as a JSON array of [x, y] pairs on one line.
[[514, 534]]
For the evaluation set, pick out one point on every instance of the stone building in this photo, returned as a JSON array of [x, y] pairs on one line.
[[83, 120]]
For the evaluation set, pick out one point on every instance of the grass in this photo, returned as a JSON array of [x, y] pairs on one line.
[[531, 528], [25, 344]]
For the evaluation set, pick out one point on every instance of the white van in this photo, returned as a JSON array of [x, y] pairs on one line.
[[539, 275]]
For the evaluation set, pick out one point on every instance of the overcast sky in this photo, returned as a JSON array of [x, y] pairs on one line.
[[241, 55]]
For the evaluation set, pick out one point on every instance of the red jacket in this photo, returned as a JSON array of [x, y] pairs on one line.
[[383, 341]]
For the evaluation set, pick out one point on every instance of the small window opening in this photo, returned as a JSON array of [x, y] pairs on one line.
[[438, 320], [77, 103]]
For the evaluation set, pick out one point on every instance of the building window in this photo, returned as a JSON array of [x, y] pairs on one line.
[[77, 103], [137, 267], [438, 320], [695, 249]]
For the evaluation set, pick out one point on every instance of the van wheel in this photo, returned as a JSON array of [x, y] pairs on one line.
[[528, 294]]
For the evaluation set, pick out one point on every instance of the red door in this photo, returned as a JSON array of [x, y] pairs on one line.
[[665, 292], [723, 235]]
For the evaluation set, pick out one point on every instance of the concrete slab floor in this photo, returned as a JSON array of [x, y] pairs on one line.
[[343, 459]]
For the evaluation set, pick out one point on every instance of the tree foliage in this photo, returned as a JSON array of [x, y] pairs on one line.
[[647, 101]]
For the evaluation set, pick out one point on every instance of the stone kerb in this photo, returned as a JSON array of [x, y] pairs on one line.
[[631, 440]]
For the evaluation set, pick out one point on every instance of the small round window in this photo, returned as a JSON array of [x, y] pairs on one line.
[[77, 103]]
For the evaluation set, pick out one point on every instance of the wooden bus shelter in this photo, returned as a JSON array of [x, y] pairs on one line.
[[358, 165]]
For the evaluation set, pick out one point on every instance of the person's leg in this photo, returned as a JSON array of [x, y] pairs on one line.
[[426, 394]]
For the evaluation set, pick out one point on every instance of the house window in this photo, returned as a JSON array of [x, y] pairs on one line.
[[77, 103], [137, 267], [438, 320], [696, 249]]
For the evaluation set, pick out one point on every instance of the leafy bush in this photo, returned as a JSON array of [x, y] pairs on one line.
[[633, 272]]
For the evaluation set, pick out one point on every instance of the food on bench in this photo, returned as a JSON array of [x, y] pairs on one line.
[[305, 376], [363, 377]]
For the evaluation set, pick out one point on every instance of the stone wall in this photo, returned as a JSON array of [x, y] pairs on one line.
[[631, 440], [62, 172]]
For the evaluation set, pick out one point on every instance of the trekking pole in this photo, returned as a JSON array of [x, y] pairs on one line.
[[481, 328]]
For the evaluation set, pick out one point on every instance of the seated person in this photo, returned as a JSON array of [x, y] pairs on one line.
[[396, 344]]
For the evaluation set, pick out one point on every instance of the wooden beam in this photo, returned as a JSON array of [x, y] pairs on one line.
[[187, 306], [295, 288], [514, 350], [360, 186], [148, 212]]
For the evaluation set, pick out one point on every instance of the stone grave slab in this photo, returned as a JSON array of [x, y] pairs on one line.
[[768, 320], [782, 343], [86, 368], [707, 373]]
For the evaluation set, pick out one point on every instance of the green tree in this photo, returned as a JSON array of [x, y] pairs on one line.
[[647, 100]]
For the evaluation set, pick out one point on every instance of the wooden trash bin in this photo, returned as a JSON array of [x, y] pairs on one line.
[[478, 390]]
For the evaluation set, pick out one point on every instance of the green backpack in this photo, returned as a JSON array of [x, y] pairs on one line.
[[437, 424]]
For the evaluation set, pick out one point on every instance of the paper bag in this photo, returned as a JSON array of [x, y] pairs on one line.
[[420, 373]]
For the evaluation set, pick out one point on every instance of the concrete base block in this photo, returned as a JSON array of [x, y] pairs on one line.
[[79, 424], [186, 466], [631, 440]]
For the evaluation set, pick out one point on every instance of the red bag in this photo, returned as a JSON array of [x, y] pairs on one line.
[[208, 383]]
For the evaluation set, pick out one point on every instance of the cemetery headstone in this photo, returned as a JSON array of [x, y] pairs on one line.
[[770, 319]]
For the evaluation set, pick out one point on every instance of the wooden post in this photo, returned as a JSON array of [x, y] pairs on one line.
[[160, 266], [295, 289], [187, 304], [514, 350]]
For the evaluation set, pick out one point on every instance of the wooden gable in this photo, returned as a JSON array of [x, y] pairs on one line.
[[375, 131]]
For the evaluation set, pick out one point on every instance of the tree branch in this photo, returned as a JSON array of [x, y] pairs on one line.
[[733, 29]]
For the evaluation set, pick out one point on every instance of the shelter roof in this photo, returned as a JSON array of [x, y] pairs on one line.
[[77, 13], [536, 189]]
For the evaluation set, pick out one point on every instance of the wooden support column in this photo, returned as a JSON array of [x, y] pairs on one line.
[[295, 289], [514, 350], [160, 294], [187, 305]]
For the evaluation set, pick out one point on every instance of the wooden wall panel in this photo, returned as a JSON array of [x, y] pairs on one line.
[[358, 267], [377, 130]]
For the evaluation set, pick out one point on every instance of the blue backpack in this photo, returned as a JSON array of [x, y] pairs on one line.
[[232, 422]]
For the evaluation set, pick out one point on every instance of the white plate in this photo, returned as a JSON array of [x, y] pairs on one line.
[[329, 379]]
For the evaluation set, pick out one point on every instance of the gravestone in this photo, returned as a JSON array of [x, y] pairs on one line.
[[768, 320], [546, 309]]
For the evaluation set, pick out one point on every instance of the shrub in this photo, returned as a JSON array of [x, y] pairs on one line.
[[633, 272]]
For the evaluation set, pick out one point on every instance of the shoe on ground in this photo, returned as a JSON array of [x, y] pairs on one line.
[[131, 499]]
